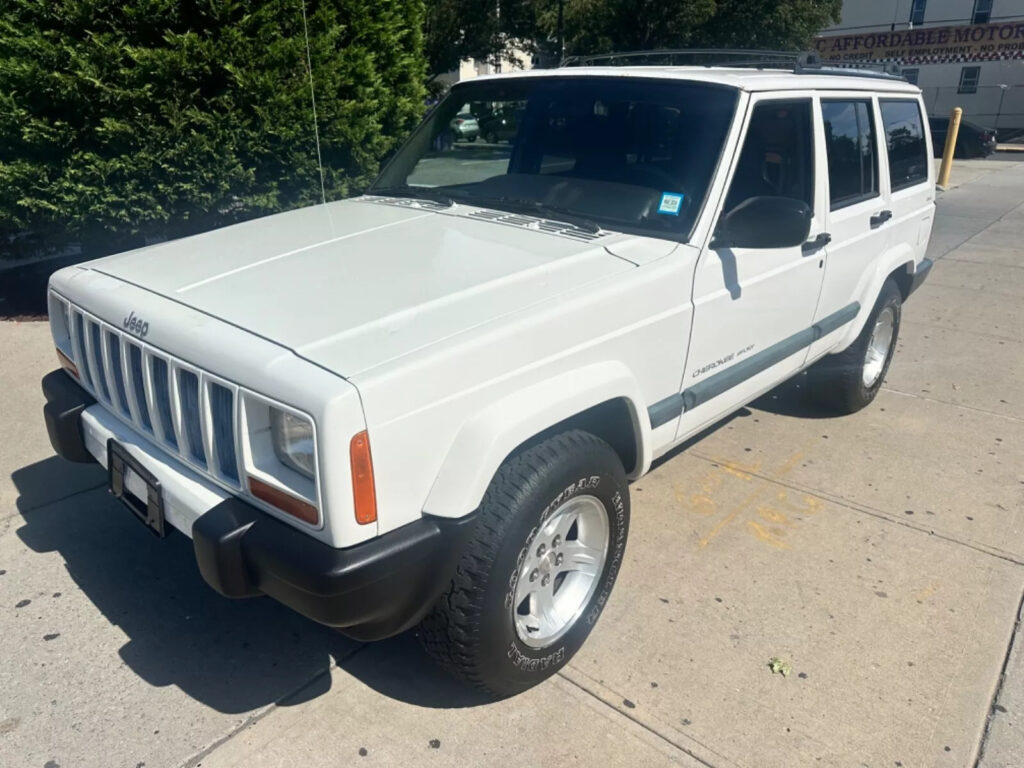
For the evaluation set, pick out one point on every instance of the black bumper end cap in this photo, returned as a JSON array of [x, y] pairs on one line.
[[65, 401], [370, 591], [920, 275]]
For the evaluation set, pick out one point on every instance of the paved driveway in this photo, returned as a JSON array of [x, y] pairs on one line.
[[880, 555]]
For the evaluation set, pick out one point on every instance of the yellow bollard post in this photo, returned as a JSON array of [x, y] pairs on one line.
[[947, 152]]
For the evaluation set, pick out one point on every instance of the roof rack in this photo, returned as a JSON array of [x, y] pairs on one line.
[[798, 62]]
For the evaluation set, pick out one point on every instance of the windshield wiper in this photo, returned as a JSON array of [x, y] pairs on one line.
[[554, 211], [419, 193]]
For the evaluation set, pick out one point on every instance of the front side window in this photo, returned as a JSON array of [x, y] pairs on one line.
[[905, 142], [969, 77], [623, 153], [777, 158], [850, 143], [917, 11], [982, 12]]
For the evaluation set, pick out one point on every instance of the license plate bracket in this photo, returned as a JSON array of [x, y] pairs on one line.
[[120, 467]]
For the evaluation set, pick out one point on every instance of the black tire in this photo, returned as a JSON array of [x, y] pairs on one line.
[[471, 631], [471, 139], [837, 380], [491, 137]]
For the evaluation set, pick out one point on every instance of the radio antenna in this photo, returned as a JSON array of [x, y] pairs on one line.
[[312, 98]]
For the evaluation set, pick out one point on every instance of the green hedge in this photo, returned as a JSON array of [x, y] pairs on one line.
[[121, 119]]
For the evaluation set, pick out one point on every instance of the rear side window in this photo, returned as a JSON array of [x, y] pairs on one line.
[[850, 143], [905, 142]]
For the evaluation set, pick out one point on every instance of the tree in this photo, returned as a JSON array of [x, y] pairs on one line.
[[121, 119], [597, 26], [768, 24], [461, 29]]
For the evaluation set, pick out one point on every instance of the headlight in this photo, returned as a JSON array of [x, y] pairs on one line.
[[293, 441]]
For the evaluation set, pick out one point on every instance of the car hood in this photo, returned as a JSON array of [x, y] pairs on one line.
[[353, 284]]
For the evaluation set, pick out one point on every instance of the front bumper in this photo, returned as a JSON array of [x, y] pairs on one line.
[[371, 591]]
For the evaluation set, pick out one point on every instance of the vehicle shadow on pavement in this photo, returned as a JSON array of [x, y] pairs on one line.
[[400, 669], [790, 399], [232, 655]]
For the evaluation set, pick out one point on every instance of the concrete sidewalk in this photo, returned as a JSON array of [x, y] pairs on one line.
[[880, 554]]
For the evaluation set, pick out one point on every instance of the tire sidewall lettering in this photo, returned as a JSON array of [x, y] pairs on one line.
[[522, 657], [591, 482]]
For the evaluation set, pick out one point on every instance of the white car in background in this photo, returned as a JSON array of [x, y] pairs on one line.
[[425, 405]]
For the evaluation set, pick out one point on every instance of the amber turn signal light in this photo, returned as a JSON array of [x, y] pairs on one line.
[[362, 479], [287, 503]]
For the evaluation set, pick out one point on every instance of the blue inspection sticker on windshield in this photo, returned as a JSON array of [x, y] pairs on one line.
[[670, 203]]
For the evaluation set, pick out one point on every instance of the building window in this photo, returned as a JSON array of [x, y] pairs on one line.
[[969, 77], [910, 75], [917, 11], [982, 12]]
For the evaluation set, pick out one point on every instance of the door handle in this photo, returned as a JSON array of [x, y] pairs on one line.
[[817, 243], [880, 218]]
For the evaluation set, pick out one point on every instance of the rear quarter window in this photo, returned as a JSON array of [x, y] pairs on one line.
[[905, 142]]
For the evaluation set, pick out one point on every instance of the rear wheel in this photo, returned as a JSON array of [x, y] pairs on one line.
[[851, 379], [533, 580]]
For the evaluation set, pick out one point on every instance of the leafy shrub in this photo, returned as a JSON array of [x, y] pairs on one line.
[[125, 119]]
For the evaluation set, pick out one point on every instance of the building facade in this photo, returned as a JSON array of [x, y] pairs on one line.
[[962, 53]]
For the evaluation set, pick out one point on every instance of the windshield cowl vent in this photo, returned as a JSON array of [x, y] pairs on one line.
[[539, 225], [409, 202]]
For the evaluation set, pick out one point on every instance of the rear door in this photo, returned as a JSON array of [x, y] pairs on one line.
[[911, 173], [859, 213], [753, 306]]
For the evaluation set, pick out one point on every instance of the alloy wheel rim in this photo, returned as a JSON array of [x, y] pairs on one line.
[[878, 347], [560, 571]]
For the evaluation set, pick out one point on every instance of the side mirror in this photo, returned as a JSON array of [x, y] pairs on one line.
[[765, 222]]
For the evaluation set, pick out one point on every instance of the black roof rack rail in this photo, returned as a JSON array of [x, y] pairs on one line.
[[798, 62]]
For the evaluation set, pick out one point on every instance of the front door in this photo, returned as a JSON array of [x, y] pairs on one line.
[[754, 307]]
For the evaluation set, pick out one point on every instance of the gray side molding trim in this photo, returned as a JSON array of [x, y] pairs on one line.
[[663, 411], [836, 320]]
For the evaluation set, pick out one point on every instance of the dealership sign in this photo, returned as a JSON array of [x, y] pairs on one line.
[[977, 42]]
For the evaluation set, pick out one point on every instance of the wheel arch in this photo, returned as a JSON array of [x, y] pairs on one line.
[[603, 399], [897, 263], [903, 276]]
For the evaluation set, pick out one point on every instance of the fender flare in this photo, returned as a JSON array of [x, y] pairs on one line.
[[897, 257], [492, 434]]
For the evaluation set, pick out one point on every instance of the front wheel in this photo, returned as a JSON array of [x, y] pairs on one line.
[[851, 379], [539, 569]]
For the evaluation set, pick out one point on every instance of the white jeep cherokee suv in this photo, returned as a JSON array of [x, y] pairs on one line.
[[424, 405]]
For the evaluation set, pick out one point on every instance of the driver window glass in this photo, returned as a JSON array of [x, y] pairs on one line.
[[777, 159]]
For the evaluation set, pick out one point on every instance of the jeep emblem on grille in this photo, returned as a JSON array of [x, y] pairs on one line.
[[136, 325]]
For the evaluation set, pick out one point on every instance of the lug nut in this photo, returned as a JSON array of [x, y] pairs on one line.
[[545, 580], [556, 542], [533, 575], [541, 550], [559, 558]]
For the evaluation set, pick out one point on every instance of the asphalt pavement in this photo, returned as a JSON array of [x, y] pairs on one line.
[[880, 556]]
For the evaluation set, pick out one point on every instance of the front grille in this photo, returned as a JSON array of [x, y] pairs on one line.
[[188, 411]]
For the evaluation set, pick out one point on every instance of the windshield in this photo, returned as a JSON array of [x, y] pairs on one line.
[[619, 153]]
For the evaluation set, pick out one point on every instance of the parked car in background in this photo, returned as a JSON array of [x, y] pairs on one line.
[[500, 125], [465, 126], [972, 140]]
